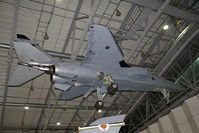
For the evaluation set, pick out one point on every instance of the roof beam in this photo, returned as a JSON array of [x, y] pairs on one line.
[[128, 17], [83, 36], [52, 53], [59, 106], [13, 35], [151, 48], [74, 115], [33, 127], [67, 56], [55, 14], [43, 109], [186, 36], [147, 28], [137, 25], [50, 117], [72, 27], [169, 10]]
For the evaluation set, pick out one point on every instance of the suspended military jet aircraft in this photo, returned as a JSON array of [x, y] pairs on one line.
[[103, 69]]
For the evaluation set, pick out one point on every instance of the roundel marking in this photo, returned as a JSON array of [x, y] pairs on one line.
[[107, 47], [103, 127]]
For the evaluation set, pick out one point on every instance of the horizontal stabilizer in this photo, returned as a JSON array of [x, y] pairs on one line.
[[63, 87], [22, 75], [26, 52], [74, 92]]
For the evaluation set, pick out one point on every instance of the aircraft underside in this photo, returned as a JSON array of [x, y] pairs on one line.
[[103, 69]]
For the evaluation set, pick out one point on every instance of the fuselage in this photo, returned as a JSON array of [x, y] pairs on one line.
[[126, 77], [86, 74]]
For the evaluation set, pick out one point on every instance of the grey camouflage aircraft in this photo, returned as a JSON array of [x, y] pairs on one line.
[[103, 69]]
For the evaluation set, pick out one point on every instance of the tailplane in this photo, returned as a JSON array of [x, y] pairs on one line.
[[22, 75], [27, 51]]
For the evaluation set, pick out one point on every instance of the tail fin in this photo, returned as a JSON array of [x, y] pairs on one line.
[[27, 51]]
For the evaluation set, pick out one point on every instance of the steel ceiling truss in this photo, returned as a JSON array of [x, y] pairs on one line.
[[152, 57], [86, 28], [147, 28], [43, 109], [170, 10], [10, 59], [73, 25], [153, 106]]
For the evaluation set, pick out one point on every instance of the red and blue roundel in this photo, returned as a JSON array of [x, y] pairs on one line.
[[107, 47]]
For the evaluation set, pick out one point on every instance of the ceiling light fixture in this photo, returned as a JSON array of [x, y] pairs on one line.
[[58, 123], [46, 37], [166, 27], [99, 111], [26, 107], [118, 13]]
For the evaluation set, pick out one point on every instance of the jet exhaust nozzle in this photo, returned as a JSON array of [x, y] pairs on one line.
[[49, 68], [57, 79]]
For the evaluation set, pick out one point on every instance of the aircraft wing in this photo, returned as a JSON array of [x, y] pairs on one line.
[[107, 124], [147, 82], [102, 49], [74, 92]]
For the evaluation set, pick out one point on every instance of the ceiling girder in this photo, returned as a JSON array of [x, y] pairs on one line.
[[29, 128], [147, 28], [128, 17], [10, 59], [185, 36], [36, 105], [74, 115], [43, 109], [86, 28], [169, 10], [151, 48], [136, 26], [67, 56], [72, 27]]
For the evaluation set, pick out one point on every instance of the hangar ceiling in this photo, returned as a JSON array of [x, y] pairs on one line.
[[141, 37]]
